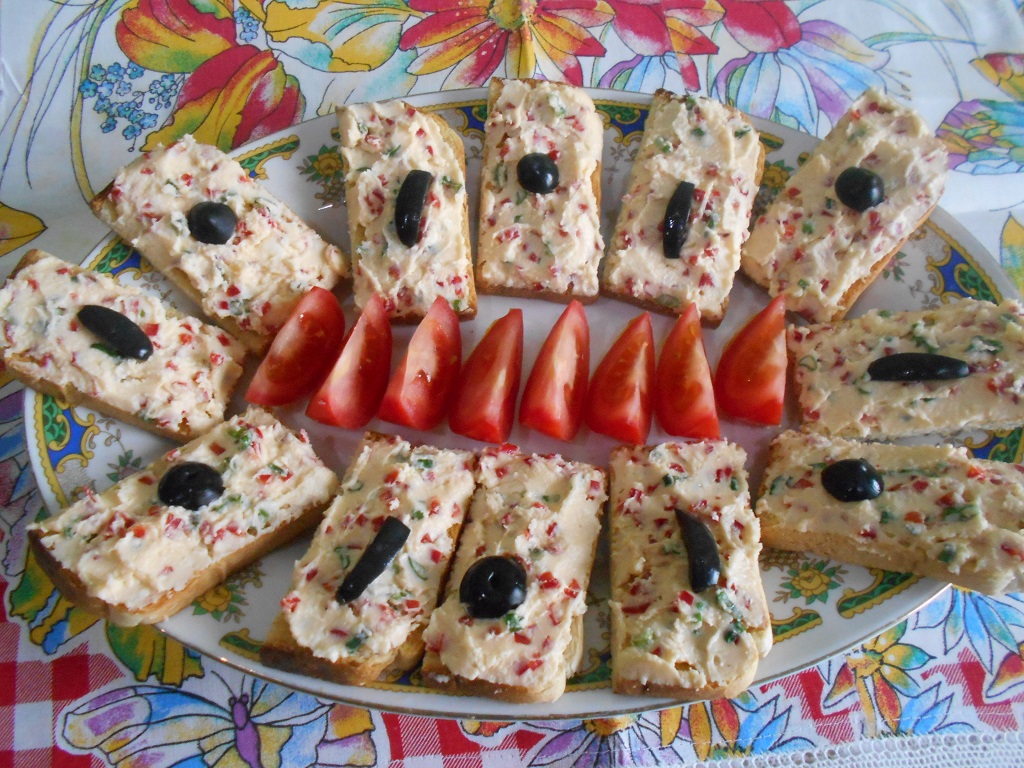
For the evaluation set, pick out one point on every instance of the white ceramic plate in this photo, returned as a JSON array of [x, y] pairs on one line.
[[819, 608]]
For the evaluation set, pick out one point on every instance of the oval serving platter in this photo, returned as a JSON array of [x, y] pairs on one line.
[[819, 608]]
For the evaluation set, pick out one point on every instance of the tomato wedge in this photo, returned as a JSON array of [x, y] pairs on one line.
[[750, 382], [619, 402], [353, 389], [485, 397], [557, 388], [684, 399], [301, 352], [421, 387]]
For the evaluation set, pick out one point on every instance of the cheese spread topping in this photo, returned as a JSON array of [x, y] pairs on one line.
[[813, 248], [543, 511], [838, 396], [541, 242], [258, 276], [662, 632], [381, 144], [717, 150], [131, 549], [183, 386], [427, 489], [941, 513]]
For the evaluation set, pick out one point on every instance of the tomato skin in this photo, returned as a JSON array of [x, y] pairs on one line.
[[301, 351], [353, 389], [750, 383], [684, 399], [484, 404], [619, 402], [557, 388], [421, 387]]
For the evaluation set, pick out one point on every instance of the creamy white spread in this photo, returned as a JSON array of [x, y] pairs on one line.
[[184, 384], [381, 144], [941, 513], [259, 275], [662, 632], [541, 242], [545, 512], [427, 489], [837, 395], [713, 147], [131, 549], [814, 248]]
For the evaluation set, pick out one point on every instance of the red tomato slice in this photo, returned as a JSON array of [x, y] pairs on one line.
[[684, 399], [557, 388], [421, 387], [352, 391], [750, 382], [619, 403], [485, 396], [301, 352]]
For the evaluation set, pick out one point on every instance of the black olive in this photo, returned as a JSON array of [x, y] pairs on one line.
[[677, 220], [212, 223], [493, 586], [375, 558], [537, 173], [860, 188], [852, 480], [701, 551], [117, 332], [409, 205], [191, 485], [917, 366]]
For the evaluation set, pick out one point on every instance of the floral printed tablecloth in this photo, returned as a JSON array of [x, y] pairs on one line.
[[86, 84]]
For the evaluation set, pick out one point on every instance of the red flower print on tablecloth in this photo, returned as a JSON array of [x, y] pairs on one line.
[[474, 37]]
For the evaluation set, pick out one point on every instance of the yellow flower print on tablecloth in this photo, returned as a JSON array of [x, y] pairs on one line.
[[174, 35], [17, 228], [1012, 252]]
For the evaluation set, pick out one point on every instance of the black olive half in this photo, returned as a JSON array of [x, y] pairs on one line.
[[701, 551], [860, 188], [917, 366], [852, 480], [191, 485], [537, 173], [117, 332], [211, 222], [493, 586], [677, 220], [375, 558], [409, 206]]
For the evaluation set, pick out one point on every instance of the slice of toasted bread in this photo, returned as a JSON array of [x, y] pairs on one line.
[[179, 391], [247, 285], [715, 148], [135, 556], [543, 512], [381, 143], [545, 245], [379, 632]]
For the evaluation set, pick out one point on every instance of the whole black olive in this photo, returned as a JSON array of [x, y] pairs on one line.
[[537, 173], [375, 558], [701, 551], [677, 220], [860, 188], [211, 222], [117, 332], [852, 480], [493, 586], [409, 206], [191, 485], [917, 366]]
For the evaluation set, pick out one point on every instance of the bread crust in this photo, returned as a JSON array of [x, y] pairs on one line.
[[77, 398], [494, 289], [72, 587]]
